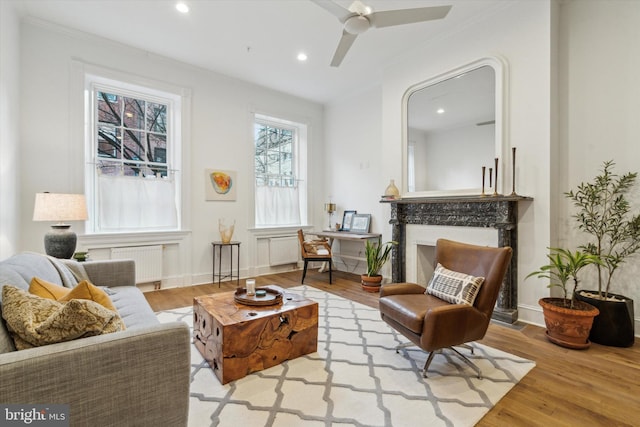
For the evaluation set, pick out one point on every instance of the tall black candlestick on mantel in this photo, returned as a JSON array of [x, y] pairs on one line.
[[495, 184], [513, 171], [483, 172]]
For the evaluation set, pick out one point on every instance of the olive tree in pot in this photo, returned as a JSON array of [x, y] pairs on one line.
[[568, 320], [377, 255], [604, 213]]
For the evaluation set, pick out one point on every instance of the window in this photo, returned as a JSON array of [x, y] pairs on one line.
[[280, 165], [131, 135], [134, 145]]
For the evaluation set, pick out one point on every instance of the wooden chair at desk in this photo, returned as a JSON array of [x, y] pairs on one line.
[[314, 250]]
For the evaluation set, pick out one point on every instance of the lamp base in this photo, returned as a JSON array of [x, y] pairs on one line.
[[60, 242]]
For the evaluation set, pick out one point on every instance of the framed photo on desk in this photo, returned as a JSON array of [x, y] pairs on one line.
[[346, 220], [360, 223]]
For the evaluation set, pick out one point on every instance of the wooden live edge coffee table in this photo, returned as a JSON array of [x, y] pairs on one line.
[[238, 339]]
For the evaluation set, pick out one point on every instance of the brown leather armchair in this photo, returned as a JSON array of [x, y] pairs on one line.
[[314, 250], [434, 324]]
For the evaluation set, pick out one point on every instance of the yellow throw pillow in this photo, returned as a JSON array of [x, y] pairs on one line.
[[35, 321], [83, 290], [45, 289], [86, 290]]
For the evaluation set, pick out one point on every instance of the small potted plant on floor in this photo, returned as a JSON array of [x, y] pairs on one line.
[[605, 214], [568, 320], [377, 255]]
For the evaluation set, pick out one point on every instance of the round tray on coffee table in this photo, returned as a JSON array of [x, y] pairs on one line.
[[271, 297]]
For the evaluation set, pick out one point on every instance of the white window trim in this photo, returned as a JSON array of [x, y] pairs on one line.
[[301, 150], [80, 73]]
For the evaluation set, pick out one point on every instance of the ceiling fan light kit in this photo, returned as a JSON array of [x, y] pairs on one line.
[[360, 17], [357, 24]]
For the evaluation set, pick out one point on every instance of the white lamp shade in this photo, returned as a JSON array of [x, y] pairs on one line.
[[60, 207]]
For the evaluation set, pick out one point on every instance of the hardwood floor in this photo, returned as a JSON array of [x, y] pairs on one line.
[[599, 386]]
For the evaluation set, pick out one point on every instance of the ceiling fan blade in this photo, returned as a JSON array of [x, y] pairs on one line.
[[343, 47], [388, 18], [335, 9]]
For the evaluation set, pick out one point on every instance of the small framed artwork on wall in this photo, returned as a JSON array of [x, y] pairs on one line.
[[219, 184]]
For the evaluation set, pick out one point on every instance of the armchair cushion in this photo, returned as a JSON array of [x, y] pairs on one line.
[[409, 309], [316, 247], [34, 321], [454, 287]]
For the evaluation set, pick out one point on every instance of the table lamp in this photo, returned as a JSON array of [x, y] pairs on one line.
[[330, 208], [60, 242]]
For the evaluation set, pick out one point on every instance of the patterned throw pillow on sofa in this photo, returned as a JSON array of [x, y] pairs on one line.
[[33, 321], [454, 287]]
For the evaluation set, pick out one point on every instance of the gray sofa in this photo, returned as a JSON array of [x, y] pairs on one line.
[[139, 376]]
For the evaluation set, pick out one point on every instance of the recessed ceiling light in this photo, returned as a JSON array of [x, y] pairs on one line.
[[440, 111], [182, 7], [302, 57]]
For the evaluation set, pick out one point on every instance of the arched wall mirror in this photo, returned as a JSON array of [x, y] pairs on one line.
[[452, 126]]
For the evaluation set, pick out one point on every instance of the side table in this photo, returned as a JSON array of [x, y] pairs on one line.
[[217, 247]]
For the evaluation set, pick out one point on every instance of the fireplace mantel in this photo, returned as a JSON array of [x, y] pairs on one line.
[[498, 212]]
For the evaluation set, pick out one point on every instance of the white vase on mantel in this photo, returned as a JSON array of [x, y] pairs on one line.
[[392, 192]]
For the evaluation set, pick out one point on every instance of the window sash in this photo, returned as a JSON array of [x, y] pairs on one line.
[[279, 196], [161, 209]]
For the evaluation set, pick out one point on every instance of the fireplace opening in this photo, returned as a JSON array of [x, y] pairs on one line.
[[425, 263]]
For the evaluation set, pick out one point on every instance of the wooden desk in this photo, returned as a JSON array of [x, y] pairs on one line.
[[347, 236]]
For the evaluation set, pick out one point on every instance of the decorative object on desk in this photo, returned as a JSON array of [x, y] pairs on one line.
[[392, 192], [220, 185], [484, 169], [490, 177], [513, 171], [347, 217], [377, 255], [568, 320], [60, 242], [360, 223], [329, 208], [226, 232], [495, 184], [81, 256]]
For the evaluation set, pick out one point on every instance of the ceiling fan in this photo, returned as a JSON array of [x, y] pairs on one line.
[[360, 17]]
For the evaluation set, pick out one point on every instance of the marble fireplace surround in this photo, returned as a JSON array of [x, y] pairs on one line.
[[497, 212]]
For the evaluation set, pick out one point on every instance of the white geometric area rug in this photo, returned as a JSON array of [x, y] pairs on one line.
[[354, 379]]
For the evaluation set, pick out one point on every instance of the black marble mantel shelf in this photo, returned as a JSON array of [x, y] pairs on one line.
[[453, 199], [499, 212]]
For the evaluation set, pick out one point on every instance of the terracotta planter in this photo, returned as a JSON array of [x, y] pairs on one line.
[[371, 283], [614, 326], [568, 327]]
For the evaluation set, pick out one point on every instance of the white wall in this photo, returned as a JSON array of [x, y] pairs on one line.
[[354, 156], [519, 33], [600, 110], [9, 121], [220, 137]]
